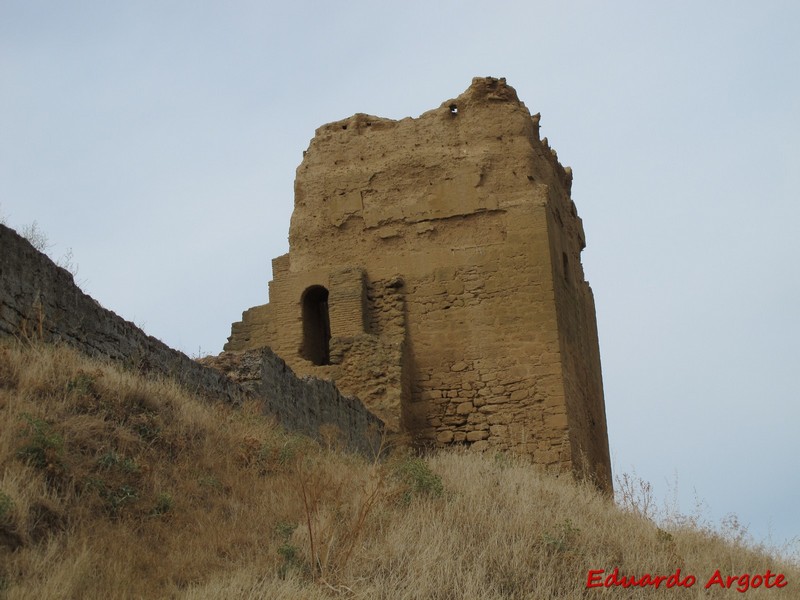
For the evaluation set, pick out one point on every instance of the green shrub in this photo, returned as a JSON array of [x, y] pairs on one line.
[[6, 507], [115, 498], [164, 504], [288, 552], [417, 475], [83, 384], [43, 447], [563, 539], [113, 460], [210, 481]]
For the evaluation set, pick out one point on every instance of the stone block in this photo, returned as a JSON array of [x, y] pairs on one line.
[[465, 408], [518, 395], [474, 436], [445, 437]]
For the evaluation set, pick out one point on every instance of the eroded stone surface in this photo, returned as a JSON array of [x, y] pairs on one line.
[[434, 272]]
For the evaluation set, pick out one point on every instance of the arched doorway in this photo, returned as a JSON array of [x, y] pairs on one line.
[[316, 326]]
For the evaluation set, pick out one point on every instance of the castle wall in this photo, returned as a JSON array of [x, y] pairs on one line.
[[466, 212], [577, 329], [485, 349], [39, 301]]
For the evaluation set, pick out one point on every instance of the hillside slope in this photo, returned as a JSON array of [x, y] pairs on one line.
[[117, 486]]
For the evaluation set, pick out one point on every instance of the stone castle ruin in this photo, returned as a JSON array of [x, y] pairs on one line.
[[434, 273]]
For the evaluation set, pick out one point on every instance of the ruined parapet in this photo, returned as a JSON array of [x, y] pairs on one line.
[[308, 405], [466, 317], [39, 301]]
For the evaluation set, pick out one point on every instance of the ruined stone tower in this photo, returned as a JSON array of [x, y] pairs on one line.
[[434, 271]]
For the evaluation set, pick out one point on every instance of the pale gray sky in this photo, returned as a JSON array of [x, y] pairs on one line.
[[159, 140]]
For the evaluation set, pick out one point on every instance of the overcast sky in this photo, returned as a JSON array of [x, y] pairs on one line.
[[158, 141]]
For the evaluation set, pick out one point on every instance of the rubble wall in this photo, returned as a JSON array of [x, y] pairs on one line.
[[40, 301]]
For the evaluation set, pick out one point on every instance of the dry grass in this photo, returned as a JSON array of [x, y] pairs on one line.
[[114, 486]]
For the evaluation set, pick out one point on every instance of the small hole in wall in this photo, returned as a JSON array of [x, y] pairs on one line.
[[344, 126], [453, 109], [565, 260]]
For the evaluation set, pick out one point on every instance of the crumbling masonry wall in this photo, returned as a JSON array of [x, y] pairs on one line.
[[457, 308], [40, 301]]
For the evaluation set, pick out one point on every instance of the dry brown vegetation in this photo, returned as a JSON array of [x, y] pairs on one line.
[[117, 486]]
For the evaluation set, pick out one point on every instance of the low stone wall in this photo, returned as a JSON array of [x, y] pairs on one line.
[[304, 404], [301, 403], [40, 301]]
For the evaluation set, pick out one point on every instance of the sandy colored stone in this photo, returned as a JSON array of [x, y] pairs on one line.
[[474, 436], [465, 408], [429, 252], [445, 437]]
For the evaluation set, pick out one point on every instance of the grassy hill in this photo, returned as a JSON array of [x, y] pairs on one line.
[[118, 486]]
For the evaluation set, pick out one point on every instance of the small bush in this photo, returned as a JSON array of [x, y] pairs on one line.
[[83, 384], [290, 553], [6, 507], [111, 460], [562, 539], [36, 237], [164, 504], [115, 498], [417, 475], [119, 497], [209, 481], [43, 447], [147, 426], [285, 530]]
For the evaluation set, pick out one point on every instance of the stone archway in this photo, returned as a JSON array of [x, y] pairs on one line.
[[316, 326]]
